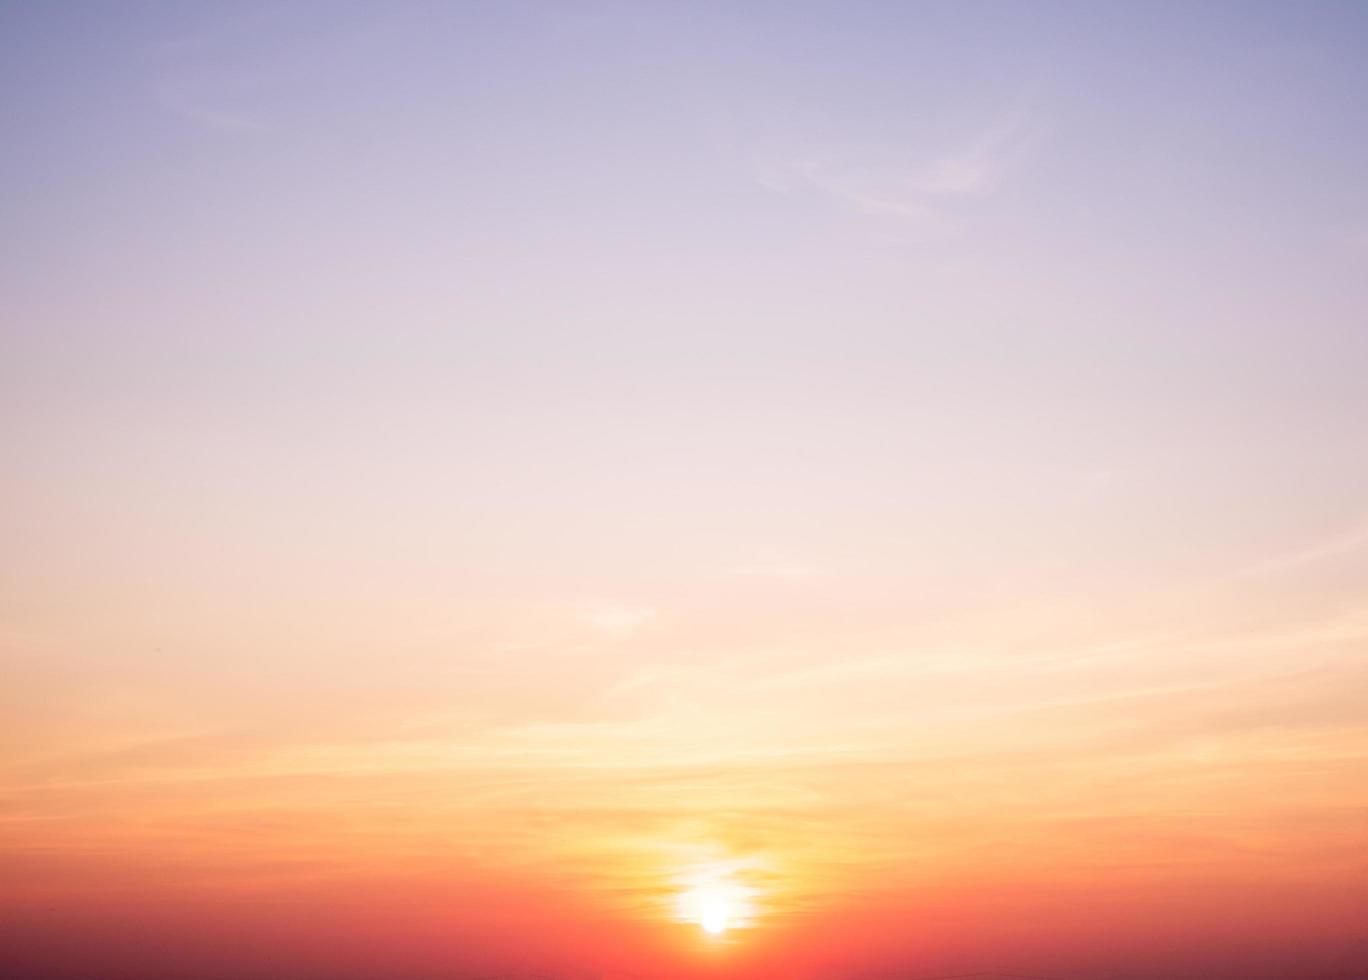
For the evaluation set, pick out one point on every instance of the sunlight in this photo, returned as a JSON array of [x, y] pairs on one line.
[[714, 913], [715, 901]]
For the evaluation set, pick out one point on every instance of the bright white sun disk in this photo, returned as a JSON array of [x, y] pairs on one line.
[[713, 914], [715, 906]]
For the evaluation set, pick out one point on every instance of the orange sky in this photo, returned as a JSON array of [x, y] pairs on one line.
[[674, 491]]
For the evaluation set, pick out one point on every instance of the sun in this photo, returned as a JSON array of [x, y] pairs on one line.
[[718, 894], [714, 914], [715, 906]]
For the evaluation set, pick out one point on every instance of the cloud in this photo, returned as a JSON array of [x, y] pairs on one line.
[[1348, 541], [219, 77], [194, 104], [980, 165], [905, 184], [615, 619]]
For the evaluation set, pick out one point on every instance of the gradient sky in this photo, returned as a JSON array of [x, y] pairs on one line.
[[476, 474]]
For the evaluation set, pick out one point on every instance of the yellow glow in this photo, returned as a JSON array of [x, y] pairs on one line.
[[714, 914], [716, 902]]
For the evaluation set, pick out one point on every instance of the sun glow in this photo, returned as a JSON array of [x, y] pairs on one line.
[[716, 903], [714, 914]]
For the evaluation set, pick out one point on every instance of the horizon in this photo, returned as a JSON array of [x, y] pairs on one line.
[[699, 491]]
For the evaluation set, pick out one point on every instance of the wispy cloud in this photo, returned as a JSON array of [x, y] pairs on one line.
[[980, 165], [193, 104], [615, 619], [1348, 541], [912, 185], [219, 76]]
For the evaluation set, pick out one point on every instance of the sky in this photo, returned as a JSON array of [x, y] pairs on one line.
[[683, 490]]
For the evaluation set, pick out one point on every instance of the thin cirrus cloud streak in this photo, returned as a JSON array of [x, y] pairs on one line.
[[615, 619], [1351, 541], [918, 187], [203, 106], [213, 94], [219, 80]]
